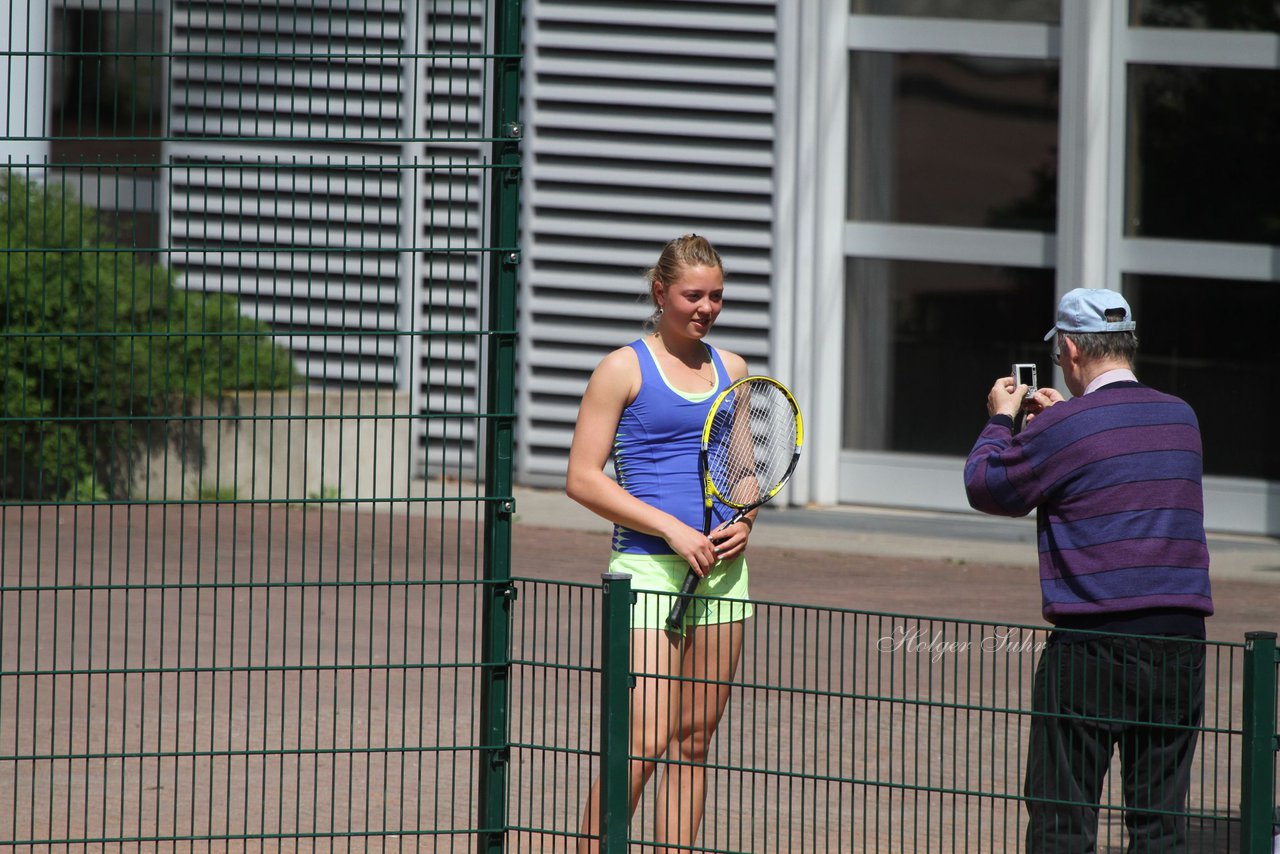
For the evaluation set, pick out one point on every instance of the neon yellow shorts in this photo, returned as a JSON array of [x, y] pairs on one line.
[[658, 578]]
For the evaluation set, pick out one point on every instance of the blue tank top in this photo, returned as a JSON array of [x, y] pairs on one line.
[[655, 452]]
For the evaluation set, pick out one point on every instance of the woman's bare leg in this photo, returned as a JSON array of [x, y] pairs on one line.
[[707, 665], [656, 655]]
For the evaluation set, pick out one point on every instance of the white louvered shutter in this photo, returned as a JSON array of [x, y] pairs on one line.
[[341, 133], [450, 220], [645, 121], [287, 118]]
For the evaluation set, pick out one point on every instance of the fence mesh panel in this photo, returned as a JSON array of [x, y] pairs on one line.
[[255, 322], [845, 731]]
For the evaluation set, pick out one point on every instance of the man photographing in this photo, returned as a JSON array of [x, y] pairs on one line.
[[1114, 475]]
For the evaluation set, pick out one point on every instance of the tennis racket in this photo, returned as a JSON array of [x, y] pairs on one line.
[[750, 446]]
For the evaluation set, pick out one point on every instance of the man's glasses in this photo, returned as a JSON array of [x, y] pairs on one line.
[[1055, 352]]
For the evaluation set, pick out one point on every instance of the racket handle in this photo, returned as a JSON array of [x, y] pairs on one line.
[[676, 617], [691, 579]]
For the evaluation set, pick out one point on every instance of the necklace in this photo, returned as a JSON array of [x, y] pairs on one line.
[[710, 381]]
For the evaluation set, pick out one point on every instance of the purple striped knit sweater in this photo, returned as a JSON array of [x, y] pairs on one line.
[[1115, 475]]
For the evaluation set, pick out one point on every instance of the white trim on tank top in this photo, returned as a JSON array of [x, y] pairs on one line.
[[691, 396]]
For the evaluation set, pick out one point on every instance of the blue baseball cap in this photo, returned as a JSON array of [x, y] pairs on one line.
[[1092, 310]]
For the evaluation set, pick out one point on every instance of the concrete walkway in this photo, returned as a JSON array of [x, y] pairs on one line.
[[958, 537]]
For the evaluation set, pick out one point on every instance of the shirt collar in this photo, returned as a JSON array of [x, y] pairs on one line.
[[1119, 375]]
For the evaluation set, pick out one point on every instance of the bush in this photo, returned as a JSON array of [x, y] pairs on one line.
[[95, 343]]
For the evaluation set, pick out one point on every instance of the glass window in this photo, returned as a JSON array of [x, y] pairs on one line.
[[106, 92], [1035, 11], [953, 140], [1202, 147], [1212, 343], [924, 343], [1206, 14], [97, 94]]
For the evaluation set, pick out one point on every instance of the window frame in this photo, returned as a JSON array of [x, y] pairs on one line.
[[1095, 45]]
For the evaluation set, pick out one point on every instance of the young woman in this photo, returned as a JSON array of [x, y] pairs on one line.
[[645, 406]]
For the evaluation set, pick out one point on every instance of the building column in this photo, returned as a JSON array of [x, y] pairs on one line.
[[1085, 136], [808, 314]]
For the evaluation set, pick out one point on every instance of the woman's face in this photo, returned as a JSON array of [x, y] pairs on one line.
[[691, 304]]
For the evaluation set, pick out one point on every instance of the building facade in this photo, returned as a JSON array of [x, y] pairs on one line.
[[900, 189]]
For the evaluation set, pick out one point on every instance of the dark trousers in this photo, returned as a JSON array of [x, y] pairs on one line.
[[1091, 696]]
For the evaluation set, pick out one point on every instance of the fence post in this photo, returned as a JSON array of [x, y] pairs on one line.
[[615, 713], [503, 263], [1258, 769]]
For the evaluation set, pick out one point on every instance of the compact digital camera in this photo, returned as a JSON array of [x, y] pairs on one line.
[[1024, 373]]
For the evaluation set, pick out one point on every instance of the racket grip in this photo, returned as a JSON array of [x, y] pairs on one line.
[[676, 617]]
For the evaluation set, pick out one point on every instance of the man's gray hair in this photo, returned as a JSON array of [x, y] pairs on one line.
[[1103, 345]]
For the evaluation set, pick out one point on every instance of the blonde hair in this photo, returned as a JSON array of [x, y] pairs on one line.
[[680, 254]]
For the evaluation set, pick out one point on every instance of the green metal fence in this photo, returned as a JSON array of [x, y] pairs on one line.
[[850, 731], [257, 327]]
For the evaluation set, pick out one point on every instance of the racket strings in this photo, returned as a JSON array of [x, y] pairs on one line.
[[751, 442]]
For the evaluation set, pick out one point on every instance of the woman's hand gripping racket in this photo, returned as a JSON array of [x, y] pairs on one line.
[[750, 445]]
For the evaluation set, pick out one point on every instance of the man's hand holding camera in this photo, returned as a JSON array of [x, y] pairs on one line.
[[1009, 398]]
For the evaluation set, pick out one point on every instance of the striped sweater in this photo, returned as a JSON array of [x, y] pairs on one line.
[[1115, 477]]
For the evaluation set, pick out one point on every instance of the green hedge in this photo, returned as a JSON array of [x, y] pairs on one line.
[[90, 332]]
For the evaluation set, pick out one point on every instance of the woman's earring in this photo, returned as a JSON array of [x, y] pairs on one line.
[[658, 313]]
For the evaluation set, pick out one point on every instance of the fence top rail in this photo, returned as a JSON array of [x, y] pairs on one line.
[[553, 582]]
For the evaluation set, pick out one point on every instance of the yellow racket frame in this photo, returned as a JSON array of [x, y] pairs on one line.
[[709, 490]]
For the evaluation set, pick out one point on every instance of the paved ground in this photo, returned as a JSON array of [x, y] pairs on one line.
[[995, 556], [257, 672]]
